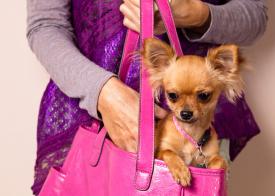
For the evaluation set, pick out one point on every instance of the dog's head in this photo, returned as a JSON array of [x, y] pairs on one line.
[[193, 84]]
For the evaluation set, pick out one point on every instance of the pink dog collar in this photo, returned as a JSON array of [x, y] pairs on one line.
[[183, 132], [198, 144], [206, 136]]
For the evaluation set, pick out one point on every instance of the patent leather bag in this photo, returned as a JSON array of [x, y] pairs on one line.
[[94, 166]]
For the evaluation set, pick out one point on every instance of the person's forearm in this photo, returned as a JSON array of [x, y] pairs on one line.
[[238, 21], [50, 36]]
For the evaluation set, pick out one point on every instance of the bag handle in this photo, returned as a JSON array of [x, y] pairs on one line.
[[167, 17], [145, 156], [132, 38]]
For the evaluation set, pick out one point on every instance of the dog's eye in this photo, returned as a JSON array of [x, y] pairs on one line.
[[172, 96], [204, 96]]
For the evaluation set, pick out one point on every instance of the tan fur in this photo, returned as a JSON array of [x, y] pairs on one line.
[[187, 76], [225, 63]]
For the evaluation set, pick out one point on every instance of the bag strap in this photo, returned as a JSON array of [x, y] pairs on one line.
[[167, 17], [132, 37], [145, 156]]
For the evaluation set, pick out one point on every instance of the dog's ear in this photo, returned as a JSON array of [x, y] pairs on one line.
[[157, 56], [226, 63]]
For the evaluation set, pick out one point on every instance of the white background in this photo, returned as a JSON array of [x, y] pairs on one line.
[[23, 80]]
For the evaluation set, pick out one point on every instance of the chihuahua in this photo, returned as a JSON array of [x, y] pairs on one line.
[[192, 86]]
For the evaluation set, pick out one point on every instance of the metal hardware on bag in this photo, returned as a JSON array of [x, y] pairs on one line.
[[178, 181], [198, 145]]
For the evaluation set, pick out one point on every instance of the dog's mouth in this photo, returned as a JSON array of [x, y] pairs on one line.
[[191, 121]]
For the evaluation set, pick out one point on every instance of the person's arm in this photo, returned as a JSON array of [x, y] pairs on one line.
[[50, 36], [238, 21]]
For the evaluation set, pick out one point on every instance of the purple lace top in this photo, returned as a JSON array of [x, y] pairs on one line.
[[100, 37]]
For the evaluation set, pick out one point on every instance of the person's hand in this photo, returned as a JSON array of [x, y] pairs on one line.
[[186, 13], [131, 11], [190, 13], [118, 105]]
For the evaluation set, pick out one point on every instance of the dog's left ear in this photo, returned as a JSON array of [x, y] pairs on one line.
[[157, 56], [226, 63]]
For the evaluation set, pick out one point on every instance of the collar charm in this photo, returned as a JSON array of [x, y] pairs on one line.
[[200, 157]]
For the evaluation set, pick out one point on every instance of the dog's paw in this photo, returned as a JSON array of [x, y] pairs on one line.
[[179, 171], [217, 162]]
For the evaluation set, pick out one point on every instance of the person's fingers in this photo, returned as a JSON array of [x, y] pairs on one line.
[[160, 112], [134, 131], [122, 140], [132, 146], [132, 13], [126, 143], [133, 6], [133, 2], [131, 18], [129, 24]]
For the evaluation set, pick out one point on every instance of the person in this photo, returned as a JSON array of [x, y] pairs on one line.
[[80, 42]]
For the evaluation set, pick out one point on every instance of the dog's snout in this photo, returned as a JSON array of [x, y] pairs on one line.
[[186, 114]]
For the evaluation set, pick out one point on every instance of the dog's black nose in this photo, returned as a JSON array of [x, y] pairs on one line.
[[186, 115]]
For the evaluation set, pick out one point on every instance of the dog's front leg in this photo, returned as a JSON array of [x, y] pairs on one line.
[[217, 162], [176, 166]]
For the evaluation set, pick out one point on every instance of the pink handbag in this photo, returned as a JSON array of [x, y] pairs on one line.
[[95, 166]]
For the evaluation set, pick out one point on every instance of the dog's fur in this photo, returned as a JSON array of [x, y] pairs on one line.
[[187, 77]]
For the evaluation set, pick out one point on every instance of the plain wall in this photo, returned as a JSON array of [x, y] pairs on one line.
[[23, 80]]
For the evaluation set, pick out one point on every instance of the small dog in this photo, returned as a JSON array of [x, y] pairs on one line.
[[192, 86]]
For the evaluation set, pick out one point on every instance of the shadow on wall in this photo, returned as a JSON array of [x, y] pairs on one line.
[[253, 171]]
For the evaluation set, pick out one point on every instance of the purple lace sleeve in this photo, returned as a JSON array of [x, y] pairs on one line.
[[51, 37]]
